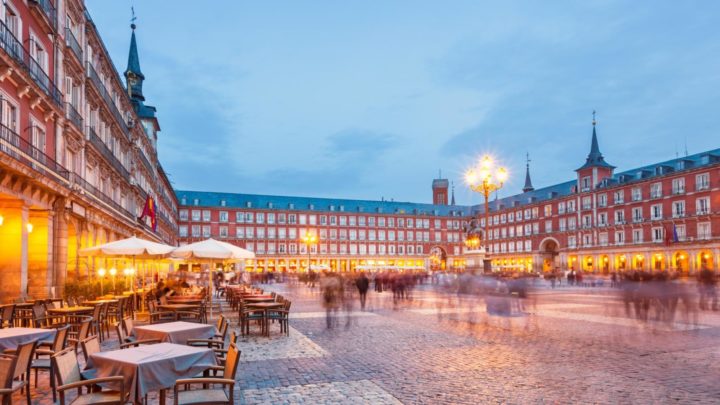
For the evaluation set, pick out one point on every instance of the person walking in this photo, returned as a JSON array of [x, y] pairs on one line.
[[362, 283]]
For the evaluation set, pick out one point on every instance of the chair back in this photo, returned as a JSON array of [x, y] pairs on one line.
[[61, 335], [231, 361], [67, 368], [97, 312], [38, 310], [233, 337], [89, 346], [151, 306], [219, 323], [24, 355], [120, 333], [8, 313], [7, 369], [128, 325], [71, 301], [84, 329], [223, 329], [163, 300]]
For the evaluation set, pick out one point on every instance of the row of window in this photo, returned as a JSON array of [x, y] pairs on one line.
[[343, 249], [312, 219], [657, 235], [332, 234]]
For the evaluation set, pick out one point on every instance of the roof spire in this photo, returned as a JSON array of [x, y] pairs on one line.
[[595, 158], [528, 183], [133, 74], [452, 199]]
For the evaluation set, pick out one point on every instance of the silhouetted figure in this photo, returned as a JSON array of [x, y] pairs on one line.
[[362, 283]]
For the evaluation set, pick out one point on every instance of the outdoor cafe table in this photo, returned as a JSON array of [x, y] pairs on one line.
[[174, 332], [248, 300], [265, 307], [76, 310], [97, 302], [10, 338], [179, 307], [151, 367]]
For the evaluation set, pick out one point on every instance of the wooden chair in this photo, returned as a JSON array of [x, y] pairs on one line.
[[126, 343], [97, 321], [7, 370], [248, 315], [89, 346], [128, 324], [7, 316], [210, 395], [69, 377], [21, 375], [157, 316], [282, 316], [84, 331], [39, 363]]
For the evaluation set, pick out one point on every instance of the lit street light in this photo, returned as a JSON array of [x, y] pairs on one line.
[[309, 239], [485, 178]]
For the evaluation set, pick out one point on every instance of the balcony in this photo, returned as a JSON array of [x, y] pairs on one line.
[[47, 13], [98, 194], [146, 163], [10, 44], [74, 116], [107, 154], [109, 103], [21, 150], [72, 43]]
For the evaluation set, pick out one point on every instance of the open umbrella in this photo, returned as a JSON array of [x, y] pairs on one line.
[[210, 251]]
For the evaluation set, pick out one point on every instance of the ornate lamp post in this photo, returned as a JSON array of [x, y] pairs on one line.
[[484, 178], [309, 239], [101, 274]]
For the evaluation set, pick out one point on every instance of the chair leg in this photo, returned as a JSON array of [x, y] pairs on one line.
[[52, 382]]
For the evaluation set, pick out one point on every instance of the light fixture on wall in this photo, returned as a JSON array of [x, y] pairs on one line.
[[29, 227], [2, 219]]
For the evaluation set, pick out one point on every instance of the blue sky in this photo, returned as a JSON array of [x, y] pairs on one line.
[[368, 99]]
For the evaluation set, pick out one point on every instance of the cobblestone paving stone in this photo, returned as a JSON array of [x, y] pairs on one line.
[[572, 346]]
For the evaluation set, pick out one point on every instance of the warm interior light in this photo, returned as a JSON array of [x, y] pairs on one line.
[[2, 219], [29, 227], [101, 272], [113, 271]]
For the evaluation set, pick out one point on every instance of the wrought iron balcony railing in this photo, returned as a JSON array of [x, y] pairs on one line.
[[23, 151], [49, 10], [10, 44], [74, 116], [73, 44], [95, 79], [107, 154], [97, 193], [146, 162]]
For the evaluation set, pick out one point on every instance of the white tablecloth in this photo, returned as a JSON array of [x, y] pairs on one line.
[[174, 332], [151, 367], [10, 338]]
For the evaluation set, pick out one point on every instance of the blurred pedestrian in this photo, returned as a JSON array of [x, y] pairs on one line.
[[362, 283]]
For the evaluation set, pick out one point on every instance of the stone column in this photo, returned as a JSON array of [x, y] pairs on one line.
[[24, 217], [60, 249], [13, 251]]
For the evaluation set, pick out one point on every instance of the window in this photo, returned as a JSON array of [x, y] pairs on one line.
[[312, 219], [702, 181], [603, 239], [680, 231], [587, 203], [240, 217], [223, 231], [206, 215], [572, 223], [206, 231], [196, 201], [223, 216], [678, 185], [323, 220], [619, 217], [602, 219], [561, 208], [280, 218], [678, 209], [250, 232], [619, 197], [656, 212], [270, 218], [38, 141], [585, 183], [260, 218], [619, 237], [657, 234], [637, 235], [13, 22], [637, 214], [656, 190], [183, 230], [636, 194], [196, 215], [381, 221], [38, 53], [571, 206], [563, 224], [572, 241], [271, 233], [343, 221], [602, 200], [547, 210], [587, 221], [240, 232], [183, 215], [703, 230], [587, 240], [195, 231], [548, 226], [292, 219], [702, 206]]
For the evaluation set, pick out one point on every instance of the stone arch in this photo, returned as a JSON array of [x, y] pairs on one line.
[[549, 249]]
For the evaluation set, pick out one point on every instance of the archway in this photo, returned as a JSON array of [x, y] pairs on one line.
[[681, 261], [638, 262], [438, 258], [588, 264], [549, 248], [621, 263], [705, 260], [658, 262], [605, 264]]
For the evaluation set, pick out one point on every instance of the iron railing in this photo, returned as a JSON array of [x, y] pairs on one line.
[[97, 193], [73, 44], [146, 162], [10, 44], [110, 158], [23, 151], [49, 10], [74, 116], [95, 79]]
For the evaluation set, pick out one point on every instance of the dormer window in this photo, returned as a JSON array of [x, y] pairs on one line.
[[248, 204], [196, 202], [222, 203]]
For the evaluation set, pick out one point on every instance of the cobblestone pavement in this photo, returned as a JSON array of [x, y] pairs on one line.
[[569, 346]]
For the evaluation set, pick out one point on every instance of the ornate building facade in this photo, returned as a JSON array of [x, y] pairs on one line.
[[78, 150]]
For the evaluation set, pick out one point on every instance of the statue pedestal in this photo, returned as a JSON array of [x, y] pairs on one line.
[[476, 260]]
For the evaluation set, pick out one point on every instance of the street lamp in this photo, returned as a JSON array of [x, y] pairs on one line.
[[113, 272], [485, 178], [309, 239], [101, 274]]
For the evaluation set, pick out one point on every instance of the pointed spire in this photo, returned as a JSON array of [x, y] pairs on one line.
[[595, 158], [528, 183], [133, 74], [452, 199]]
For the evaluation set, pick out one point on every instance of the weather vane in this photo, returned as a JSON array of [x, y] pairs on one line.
[[594, 122], [132, 20]]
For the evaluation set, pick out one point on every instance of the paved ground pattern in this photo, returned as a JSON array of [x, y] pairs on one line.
[[569, 346]]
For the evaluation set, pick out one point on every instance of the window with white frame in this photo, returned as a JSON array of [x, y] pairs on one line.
[[637, 214], [637, 235], [658, 234], [571, 206], [678, 185], [206, 215], [636, 193], [619, 197], [240, 232], [196, 215], [572, 241], [206, 231], [619, 237], [561, 208], [587, 240], [183, 231], [656, 211], [195, 231], [619, 217], [562, 224], [270, 218], [702, 181], [603, 238], [703, 230], [572, 223], [680, 232], [223, 216], [702, 206], [587, 221], [183, 215], [223, 231], [602, 219], [602, 200], [678, 209], [587, 203], [656, 190]]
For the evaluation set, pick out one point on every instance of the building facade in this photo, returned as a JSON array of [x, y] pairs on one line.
[[663, 216], [78, 154], [350, 233]]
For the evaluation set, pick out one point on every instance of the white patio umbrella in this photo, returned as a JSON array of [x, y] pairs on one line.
[[209, 251]]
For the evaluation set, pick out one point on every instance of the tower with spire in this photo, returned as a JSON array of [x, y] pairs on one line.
[[595, 168], [528, 183], [134, 79]]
